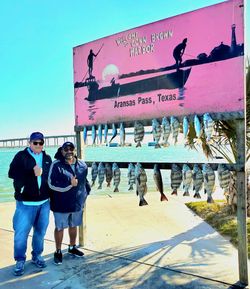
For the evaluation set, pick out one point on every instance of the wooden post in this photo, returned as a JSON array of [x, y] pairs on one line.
[[82, 228], [241, 201]]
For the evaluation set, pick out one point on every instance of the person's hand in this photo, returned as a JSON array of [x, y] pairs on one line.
[[74, 181], [37, 171]]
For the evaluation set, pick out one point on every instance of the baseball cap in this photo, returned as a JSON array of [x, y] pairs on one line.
[[68, 144], [36, 135]]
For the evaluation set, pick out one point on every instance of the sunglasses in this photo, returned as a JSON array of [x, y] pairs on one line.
[[40, 143], [68, 149]]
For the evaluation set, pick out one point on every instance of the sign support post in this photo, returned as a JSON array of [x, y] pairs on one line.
[[82, 228], [241, 202]]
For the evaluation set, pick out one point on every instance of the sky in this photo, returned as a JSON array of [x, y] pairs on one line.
[[36, 54]]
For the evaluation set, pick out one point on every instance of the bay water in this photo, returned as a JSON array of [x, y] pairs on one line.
[[172, 154]]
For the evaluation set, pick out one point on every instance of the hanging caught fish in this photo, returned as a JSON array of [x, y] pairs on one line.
[[197, 126], [138, 133], [209, 181], [159, 183], [176, 178], [122, 134], [208, 126], [94, 172], [131, 176], [85, 135], [197, 181], [141, 184], [224, 176], [114, 132], [106, 129], [101, 174], [116, 176], [175, 126], [185, 126], [166, 129], [187, 179], [108, 174], [93, 134], [100, 133], [156, 129]]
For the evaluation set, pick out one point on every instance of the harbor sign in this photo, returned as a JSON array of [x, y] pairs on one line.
[[184, 65]]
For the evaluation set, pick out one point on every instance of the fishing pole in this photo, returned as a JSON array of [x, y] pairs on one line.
[[188, 54], [87, 69]]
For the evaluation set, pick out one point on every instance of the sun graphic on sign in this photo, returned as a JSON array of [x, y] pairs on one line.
[[109, 72]]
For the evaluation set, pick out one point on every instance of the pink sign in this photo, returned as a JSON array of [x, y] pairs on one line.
[[183, 65]]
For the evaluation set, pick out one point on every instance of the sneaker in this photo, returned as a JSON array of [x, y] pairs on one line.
[[19, 268], [58, 257], [74, 251], [39, 261]]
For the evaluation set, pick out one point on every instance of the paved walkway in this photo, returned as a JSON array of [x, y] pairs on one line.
[[163, 245]]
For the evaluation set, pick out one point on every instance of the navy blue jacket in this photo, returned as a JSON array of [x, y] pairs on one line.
[[64, 197], [25, 181]]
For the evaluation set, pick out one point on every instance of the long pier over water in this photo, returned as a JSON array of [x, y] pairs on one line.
[[50, 141]]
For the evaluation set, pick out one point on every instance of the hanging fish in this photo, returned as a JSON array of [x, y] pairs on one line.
[[94, 172], [166, 129], [100, 133], [224, 179], [176, 178], [208, 126], [138, 133], [106, 129], [122, 134], [159, 182], [85, 135], [197, 181], [101, 174], [114, 132], [209, 181], [131, 176], [116, 176], [187, 179], [197, 126], [175, 126], [141, 184], [108, 174], [93, 134], [156, 129], [185, 127]]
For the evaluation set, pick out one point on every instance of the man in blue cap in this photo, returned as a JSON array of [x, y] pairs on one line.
[[29, 170], [70, 188]]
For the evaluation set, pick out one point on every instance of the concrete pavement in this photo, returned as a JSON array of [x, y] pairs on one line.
[[162, 245]]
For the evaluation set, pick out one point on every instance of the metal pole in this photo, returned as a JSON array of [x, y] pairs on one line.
[[241, 202], [82, 228]]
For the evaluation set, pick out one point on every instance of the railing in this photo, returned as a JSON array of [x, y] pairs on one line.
[[50, 141]]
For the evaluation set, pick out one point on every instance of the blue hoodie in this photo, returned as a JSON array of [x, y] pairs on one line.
[[64, 197]]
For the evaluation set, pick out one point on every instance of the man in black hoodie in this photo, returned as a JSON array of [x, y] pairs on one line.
[[69, 191], [29, 170]]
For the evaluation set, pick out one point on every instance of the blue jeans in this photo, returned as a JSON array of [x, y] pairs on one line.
[[24, 219]]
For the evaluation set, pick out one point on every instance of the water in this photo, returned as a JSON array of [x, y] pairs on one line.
[[172, 154]]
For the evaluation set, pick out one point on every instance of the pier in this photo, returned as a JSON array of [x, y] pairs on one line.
[[50, 141]]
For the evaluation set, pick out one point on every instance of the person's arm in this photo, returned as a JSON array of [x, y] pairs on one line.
[[17, 172], [16, 169], [183, 49], [88, 187]]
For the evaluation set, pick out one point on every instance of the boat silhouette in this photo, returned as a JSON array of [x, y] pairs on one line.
[[172, 80]]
